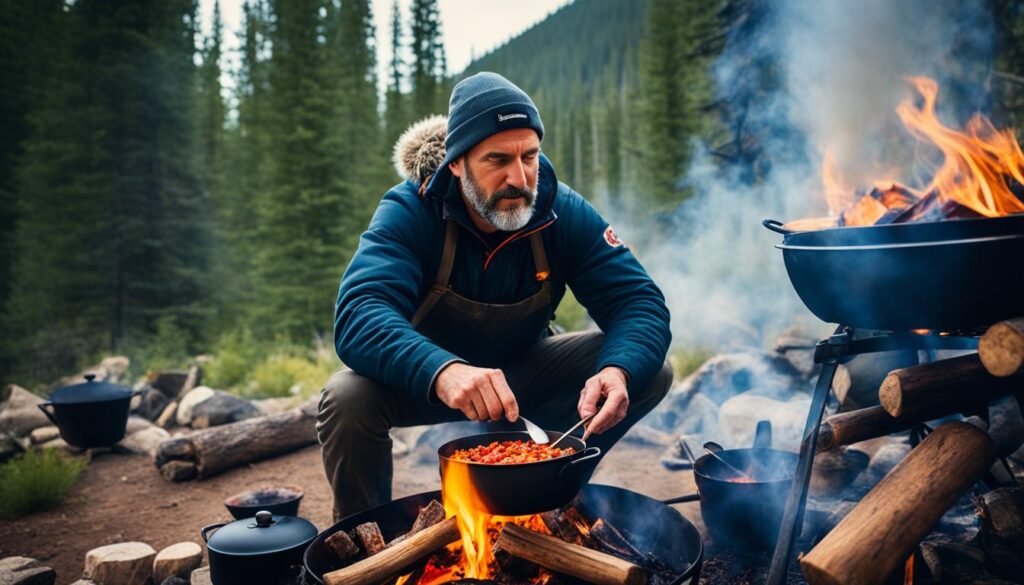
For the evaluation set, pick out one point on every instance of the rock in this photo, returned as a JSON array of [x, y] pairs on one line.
[[269, 406], [221, 409], [952, 562], [59, 443], [177, 560], [642, 434], [723, 377], [675, 457], [836, 469], [1003, 512], [20, 414], [866, 372], [113, 368], [410, 435], [797, 346], [146, 441], [150, 404], [201, 576], [170, 383], [25, 571], [399, 448], [884, 459], [189, 401], [738, 417], [136, 424], [125, 563], [426, 448], [43, 435], [1006, 425]]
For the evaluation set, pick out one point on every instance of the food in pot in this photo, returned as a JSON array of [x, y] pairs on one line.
[[506, 452]]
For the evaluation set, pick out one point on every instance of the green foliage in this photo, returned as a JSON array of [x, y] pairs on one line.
[[571, 315], [234, 355], [37, 480], [290, 374], [166, 349], [685, 361]]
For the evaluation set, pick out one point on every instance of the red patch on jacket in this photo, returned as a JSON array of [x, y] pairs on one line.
[[611, 238]]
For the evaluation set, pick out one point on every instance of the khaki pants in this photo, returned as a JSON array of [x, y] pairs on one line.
[[356, 413]]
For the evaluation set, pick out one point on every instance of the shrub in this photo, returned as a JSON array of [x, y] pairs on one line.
[[685, 361], [291, 375], [36, 480], [235, 355]]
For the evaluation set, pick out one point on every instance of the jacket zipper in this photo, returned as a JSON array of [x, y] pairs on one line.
[[518, 236]]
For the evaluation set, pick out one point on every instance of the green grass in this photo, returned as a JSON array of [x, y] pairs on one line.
[[37, 480], [685, 361]]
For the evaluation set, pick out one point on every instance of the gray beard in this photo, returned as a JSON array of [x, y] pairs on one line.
[[508, 220]]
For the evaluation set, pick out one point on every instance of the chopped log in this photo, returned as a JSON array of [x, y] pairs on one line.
[[178, 470], [565, 523], [874, 539], [428, 515], [390, 562], [1002, 348], [127, 563], [177, 560], [570, 559], [167, 418], [369, 536], [342, 545], [847, 428], [932, 390], [221, 448], [179, 448]]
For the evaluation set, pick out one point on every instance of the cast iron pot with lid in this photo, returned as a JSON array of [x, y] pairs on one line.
[[256, 550], [90, 414], [518, 489]]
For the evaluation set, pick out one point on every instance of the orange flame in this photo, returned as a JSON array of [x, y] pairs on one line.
[[977, 166]]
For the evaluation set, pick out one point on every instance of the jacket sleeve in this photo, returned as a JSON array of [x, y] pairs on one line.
[[378, 295], [620, 296]]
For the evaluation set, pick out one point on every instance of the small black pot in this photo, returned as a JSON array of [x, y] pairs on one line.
[[91, 414], [519, 489], [282, 501], [256, 550]]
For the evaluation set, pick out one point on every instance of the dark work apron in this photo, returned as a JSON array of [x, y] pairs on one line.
[[484, 334]]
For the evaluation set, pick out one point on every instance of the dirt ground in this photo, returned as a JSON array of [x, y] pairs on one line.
[[123, 498]]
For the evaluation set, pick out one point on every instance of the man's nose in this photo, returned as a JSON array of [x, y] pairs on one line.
[[516, 174]]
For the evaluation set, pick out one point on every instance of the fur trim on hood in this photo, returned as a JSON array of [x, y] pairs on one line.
[[420, 149]]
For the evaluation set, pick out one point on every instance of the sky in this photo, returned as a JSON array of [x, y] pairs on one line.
[[471, 27]]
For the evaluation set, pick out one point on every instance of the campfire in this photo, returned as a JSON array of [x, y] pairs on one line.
[[981, 175]]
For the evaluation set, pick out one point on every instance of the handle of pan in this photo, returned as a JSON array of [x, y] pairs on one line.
[[682, 499], [42, 406], [588, 458], [206, 530], [776, 226]]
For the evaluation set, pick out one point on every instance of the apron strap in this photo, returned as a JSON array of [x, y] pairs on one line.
[[444, 273], [540, 259]]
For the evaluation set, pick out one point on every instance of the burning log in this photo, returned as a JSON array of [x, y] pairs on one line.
[[390, 562], [342, 545], [214, 450], [428, 515], [932, 390], [1002, 348], [577, 561], [875, 537], [569, 525]]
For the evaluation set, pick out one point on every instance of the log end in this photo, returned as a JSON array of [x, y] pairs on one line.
[[1001, 349], [890, 394], [817, 575]]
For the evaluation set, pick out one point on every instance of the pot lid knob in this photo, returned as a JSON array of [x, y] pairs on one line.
[[90, 377], [264, 519]]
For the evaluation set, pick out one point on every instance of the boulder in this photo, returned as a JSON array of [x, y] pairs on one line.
[[201, 576], [150, 403], [136, 424], [43, 435], [642, 434], [797, 346], [146, 441], [113, 368], [124, 563], [25, 571], [170, 383], [270, 406], [221, 409], [738, 418], [723, 377], [884, 459], [177, 560], [189, 401], [20, 414]]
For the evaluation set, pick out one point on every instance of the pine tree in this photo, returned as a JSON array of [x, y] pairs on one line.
[[396, 118], [428, 60]]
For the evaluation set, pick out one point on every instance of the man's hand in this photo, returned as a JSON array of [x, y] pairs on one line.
[[609, 384], [480, 393]]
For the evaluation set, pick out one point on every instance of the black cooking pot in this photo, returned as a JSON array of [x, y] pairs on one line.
[[741, 514], [263, 549], [948, 275], [519, 489], [91, 414]]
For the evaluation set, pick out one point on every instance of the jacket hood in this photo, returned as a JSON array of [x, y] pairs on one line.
[[420, 149]]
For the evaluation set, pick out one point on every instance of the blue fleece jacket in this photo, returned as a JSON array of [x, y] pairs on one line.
[[398, 257]]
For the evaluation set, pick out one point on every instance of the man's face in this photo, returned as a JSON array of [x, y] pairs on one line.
[[499, 178]]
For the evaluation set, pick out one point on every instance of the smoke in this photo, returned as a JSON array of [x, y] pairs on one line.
[[813, 75]]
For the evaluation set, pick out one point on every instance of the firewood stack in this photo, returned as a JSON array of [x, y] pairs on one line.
[[876, 538]]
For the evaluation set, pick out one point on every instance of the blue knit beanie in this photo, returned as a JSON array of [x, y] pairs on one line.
[[483, 105]]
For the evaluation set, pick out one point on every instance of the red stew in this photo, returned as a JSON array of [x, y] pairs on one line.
[[504, 452]]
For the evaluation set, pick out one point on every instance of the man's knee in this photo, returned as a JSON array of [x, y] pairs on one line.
[[348, 401]]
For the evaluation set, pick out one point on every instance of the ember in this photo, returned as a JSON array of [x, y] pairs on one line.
[[982, 166]]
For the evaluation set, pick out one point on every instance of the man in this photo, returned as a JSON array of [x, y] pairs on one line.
[[443, 312]]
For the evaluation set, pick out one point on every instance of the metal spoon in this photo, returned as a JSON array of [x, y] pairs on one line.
[[536, 433], [713, 448], [574, 427]]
